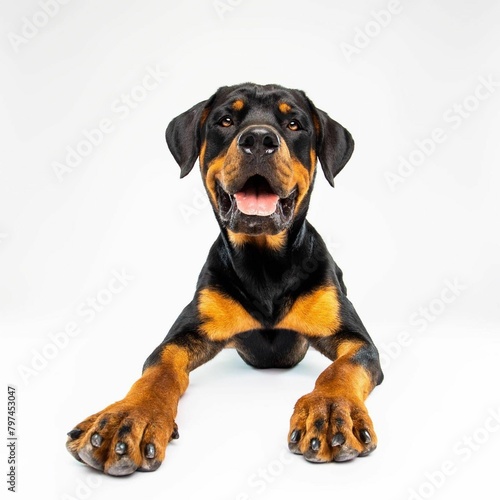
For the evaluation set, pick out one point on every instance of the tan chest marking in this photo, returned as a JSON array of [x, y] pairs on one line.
[[316, 314], [223, 317]]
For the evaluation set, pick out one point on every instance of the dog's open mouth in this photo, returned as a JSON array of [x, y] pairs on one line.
[[254, 204], [256, 197]]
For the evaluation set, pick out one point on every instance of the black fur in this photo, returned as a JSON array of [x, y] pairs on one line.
[[267, 282]]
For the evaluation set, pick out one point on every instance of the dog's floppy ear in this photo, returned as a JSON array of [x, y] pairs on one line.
[[183, 136], [334, 143]]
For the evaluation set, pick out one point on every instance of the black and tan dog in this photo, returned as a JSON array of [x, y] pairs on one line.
[[269, 288]]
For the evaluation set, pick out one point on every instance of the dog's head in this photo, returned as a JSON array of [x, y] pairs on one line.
[[258, 147]]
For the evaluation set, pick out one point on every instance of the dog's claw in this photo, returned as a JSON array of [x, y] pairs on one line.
[[295, 437], [75, 433], [315, 444], [96, 440], [121, 448], [338, 439], [150, 451], [365, 436]]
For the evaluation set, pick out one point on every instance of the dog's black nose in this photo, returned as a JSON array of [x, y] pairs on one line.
[[259, 141]]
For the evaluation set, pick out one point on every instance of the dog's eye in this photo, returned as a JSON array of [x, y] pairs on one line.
[[227, 121], [294, 125]]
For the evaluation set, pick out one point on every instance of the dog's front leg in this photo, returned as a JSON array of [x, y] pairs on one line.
[[331, 423], [132, 434]]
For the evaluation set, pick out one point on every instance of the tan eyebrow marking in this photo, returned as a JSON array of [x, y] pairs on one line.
[[284, 107], [238, 105]]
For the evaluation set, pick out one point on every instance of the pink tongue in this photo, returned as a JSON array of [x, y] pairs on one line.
[[252, 203]]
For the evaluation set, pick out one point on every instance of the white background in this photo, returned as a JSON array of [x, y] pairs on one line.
[[124, 208]]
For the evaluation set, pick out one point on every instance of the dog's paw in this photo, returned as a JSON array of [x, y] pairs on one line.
[[123, 438], [326, 429]]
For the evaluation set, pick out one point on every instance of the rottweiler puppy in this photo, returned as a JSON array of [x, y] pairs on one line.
[[269, 287]]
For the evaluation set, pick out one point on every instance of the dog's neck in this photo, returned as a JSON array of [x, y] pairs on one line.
[[268, 260], [267, 278], [276, 246]]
